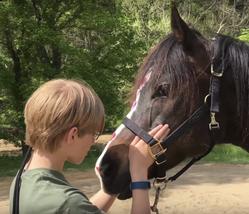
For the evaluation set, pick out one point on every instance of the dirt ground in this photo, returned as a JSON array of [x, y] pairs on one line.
[[204, 189]]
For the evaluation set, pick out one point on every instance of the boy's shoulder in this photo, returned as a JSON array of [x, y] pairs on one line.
[[50, 192]]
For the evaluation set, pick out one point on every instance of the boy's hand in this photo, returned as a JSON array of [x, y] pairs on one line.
[[139, 156]]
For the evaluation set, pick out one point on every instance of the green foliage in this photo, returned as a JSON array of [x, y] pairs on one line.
[[102, 42], [41, 40], [244, 36], [149, 19]]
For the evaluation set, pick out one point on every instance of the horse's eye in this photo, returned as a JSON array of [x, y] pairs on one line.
[[161, 91]]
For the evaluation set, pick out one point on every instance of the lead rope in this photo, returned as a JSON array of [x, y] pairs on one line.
[[160, 183], [154, 206], [158, 186]]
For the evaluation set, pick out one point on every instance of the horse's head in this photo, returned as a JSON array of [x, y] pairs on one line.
[[172, 82]]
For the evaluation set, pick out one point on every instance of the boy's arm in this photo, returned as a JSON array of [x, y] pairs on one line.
[[140, 197], [103, 200]]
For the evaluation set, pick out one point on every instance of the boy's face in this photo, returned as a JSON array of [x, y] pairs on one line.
[[78, 147]]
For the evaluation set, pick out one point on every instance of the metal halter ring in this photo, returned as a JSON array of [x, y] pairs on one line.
[[206, 98], [161, 185], [214, 73]]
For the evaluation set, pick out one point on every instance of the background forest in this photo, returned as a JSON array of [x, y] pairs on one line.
[[100, 41]]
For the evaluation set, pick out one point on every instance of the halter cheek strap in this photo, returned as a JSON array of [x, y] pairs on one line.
[[158, 149]]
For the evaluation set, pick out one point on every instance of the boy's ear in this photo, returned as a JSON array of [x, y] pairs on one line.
[[71, 134]]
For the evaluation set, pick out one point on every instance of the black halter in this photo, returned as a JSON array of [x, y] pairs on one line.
[[209, 108]]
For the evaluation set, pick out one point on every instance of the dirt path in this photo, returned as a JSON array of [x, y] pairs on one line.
[[204, 189]]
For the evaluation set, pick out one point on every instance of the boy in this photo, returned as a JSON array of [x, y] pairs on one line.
[[63, 118]]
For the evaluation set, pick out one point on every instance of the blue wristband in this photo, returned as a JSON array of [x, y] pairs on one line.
[[140, 185]]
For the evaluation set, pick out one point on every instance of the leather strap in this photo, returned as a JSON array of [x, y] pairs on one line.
[[186, 125], [214, 91], [192, 161], [136, 130], [199, 114], [15, 209]]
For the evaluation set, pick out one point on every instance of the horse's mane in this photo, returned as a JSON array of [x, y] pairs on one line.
[[233, 54], [168, 58]]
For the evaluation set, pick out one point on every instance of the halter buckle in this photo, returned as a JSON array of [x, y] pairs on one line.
[[213, 124], [155, 151]]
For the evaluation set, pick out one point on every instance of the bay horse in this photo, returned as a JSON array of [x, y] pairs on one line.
[[171, 84]]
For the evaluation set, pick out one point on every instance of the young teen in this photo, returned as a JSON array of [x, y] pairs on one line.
[[63, 119]]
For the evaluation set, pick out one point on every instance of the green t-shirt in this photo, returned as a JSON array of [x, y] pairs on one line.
[[47, 191]]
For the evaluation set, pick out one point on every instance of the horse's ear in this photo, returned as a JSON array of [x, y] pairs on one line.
[[187, 37], [178, 26]]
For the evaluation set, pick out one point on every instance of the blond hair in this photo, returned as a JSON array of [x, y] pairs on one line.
[[58, 105]]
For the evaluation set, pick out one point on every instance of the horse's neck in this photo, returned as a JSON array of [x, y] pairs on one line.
[[233, 136], [242, 143]]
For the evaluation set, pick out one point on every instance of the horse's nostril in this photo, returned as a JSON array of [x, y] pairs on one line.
[[105, 169]]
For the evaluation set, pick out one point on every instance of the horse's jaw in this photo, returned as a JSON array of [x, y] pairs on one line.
[[113, 170], [112, 167]]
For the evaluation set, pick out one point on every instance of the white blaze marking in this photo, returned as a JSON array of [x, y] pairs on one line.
[[121, 127]]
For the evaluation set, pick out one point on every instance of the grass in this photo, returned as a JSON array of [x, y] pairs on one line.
[[221, 154], [9, 165], [227, 154]]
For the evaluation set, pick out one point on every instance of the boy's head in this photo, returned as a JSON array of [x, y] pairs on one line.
[[57, 106]]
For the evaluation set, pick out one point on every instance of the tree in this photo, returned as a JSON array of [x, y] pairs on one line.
[[244, 36], [41, 40], [100, 41]]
